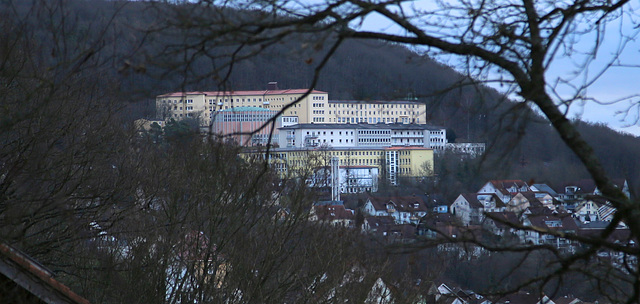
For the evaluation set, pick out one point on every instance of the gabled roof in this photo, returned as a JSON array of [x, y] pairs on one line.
[[474, 202], [434, 200], [545, 188], [379, 221], [539, 210], [502, 218], [523, 298], [32, 278], [552, 222], [598, 200], [531, 197], [333, 212], [400, 203], [585, 186], [472, 199], [503, 185]]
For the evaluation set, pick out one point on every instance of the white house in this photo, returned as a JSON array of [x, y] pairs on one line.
[[504, 189], [403, 209], [470, 207]]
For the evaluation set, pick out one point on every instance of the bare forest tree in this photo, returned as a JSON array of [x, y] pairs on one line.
[[511, 43], [129, 216], [170, 216]]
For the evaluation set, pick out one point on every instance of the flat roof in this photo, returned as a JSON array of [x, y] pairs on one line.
[[377, 126], [329, 149], [240, 93]]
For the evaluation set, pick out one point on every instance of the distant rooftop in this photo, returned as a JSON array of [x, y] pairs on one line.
[[376, 101], [394, 126], [241, 93]]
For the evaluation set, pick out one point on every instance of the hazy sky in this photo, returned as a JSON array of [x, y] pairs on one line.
[[617, 83]]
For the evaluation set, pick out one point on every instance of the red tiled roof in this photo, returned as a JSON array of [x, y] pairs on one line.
[[333, 212]]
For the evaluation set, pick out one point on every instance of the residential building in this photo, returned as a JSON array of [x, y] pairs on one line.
[[505, 189], [404, 209], [470, 207], [363, 135], [576, 191], [332, 212], [554, 223], [521, 201]]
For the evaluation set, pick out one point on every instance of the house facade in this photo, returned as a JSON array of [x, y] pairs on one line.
[[404, 210], [470, 207], [504, 189]]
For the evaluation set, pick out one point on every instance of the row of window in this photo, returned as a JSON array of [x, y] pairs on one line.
[[246, 117], [176, 101], [189, 108], [373, 106], [360, 113]]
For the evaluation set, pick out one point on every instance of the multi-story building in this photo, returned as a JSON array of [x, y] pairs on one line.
[[392, 163], [204, 105], [362, 135], [248, 126], [313, 108], [373, 112]]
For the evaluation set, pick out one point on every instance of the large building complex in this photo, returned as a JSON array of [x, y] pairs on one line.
[[313, 108], [363, 135], [365, 139]]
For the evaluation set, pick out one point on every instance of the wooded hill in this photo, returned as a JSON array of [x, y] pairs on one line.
[[146, 59]]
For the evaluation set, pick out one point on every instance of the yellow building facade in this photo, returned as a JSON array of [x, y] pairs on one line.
[[313, 108], [394, 163]]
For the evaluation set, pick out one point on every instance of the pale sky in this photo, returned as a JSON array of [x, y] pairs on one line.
[[616, 84]]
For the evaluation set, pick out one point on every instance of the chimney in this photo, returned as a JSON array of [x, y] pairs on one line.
[[273, 85]]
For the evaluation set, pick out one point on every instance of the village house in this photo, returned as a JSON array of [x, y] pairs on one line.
[[334, 213], [553, 223], [404, 209], [470, 207], [501, 223], [505, 189], [521, 201]]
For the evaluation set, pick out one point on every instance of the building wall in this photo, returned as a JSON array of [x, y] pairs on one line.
[[314, 108], [236, 124], [362, 135], [303, 162], [341, 111]]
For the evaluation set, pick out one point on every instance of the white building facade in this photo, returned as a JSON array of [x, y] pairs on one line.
[[363, 135]]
